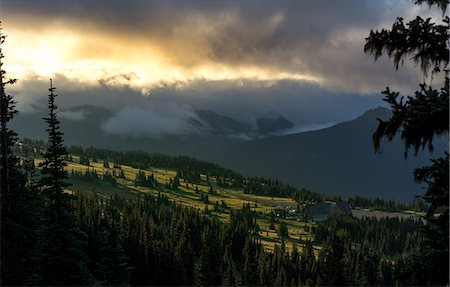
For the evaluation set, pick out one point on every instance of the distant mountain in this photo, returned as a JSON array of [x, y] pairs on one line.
[[272, 124], [82, 125], [210, 121], [337, 160], [89, 112], [218, 124]]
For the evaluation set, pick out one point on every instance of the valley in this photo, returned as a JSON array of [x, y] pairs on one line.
[[221, 201], [99, 177], [337, 160]]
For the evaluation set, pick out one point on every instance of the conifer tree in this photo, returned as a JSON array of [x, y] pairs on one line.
[[283, 230], [418, 120], [8, 110], [203, 271], [228, 274], [249, 276], [60, 257], [112, 268], [17, 200]]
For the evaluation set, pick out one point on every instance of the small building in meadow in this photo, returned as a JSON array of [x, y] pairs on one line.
[[323, 210]]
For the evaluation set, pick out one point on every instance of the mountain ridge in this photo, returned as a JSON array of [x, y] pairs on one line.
[[334, 160]]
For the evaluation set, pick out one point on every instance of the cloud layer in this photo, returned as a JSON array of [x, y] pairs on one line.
[[303, 59], [147, 44], [153, 121]]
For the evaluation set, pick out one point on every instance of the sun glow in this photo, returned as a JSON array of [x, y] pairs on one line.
[[94, 58]]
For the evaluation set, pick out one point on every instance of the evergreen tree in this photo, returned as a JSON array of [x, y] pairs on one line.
[[419, 120], [272, 221], [331, 267], [18, 201], [228, 274], [249, 275], [283, 230], [60, 257], [112, 268], [9, 163], [84, 160], [206, 271]]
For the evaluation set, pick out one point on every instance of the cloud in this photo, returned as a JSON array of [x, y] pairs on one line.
[[31, 94], [300, 102], [309, 127], [73, 115], [150, 121], [303, 59], [144, 45]]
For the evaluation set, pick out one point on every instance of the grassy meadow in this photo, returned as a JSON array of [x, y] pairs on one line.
[[189, 194]]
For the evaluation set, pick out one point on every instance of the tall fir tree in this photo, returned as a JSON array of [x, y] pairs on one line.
[[60, 256]]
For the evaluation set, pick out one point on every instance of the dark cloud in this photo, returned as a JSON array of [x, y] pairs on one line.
[[321, 38], [300, 102], [318, 37], [308, 106], [31, 94]]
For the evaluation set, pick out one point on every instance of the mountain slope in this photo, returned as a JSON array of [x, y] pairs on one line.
[[269, 125], [221, 125], [336, 160], [82, 125]]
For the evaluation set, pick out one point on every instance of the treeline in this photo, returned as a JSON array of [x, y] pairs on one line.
[[274, 188], [144, 160], [389, 237], [187, 168], [388, 205], [192, 170], [93, 176]]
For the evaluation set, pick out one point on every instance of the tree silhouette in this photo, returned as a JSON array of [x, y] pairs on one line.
[[60, 256], [18, 201], [8, 136], [419, 119]]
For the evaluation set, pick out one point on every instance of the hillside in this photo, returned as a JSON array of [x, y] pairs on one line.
[[160, 206], [204, 186], [270, 124], [336, 160]]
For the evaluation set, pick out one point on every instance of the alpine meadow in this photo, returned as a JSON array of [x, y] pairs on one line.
[[224, 143]]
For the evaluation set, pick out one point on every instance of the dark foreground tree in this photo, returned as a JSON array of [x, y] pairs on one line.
[[8, 161], [60, 258], [419, 119], [17, 206]]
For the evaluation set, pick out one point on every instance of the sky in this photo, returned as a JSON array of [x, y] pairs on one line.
[[301, 59]]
